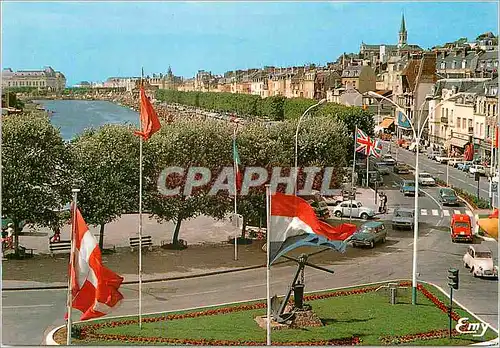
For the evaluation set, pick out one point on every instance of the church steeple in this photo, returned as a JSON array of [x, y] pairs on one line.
[[403, 35]]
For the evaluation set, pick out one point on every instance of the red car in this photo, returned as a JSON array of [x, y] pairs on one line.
[[460, 228]]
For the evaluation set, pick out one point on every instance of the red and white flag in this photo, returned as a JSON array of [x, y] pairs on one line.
[[95, 287], [294, 224]]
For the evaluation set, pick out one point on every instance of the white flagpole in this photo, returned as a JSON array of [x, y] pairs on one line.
[[268, 272], [71, 264], [235, 165], [140, 216], [353, 173]]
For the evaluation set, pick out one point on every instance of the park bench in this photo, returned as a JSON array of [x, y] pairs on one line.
[[25, 252], [146, 242], [61, 246]]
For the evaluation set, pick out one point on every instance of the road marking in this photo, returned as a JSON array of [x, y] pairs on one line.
[[457, 212], [468, 212], [423, 212], [28, 306], [446, 212], [435, 212], [196, 293]]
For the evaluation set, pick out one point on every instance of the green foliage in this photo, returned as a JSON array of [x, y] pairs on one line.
[[36, 171], [107, 170], [351, 116], [295, 107], [273, 108]]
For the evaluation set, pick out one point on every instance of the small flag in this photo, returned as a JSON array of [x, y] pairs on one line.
[[377, 149], [294, 224], [95, 287], [150, 123], [363, 142], [496, 138], [237, 163]]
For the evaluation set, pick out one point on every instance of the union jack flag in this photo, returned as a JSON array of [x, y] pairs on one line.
[[377, 149], [363, 142]]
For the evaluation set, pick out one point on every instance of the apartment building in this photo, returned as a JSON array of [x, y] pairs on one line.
[[47, 79]]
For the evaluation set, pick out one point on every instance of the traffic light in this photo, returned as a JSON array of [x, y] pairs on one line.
[[453, 278]]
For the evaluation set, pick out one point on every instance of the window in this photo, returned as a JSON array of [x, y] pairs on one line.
[[481, 129], [453, 65], [458, 122], [463, 64], [464, 123], [495, 63], [443, 65], [470, 123]]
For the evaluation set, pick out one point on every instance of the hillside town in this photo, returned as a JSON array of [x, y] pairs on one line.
[[405, 73]]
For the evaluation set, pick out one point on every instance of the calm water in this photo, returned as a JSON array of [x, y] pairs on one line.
[[73, 116]]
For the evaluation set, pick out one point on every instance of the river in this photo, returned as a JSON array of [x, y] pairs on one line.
[[74, 116]]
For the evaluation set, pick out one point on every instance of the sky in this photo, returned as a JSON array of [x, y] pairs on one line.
[[92, 41]]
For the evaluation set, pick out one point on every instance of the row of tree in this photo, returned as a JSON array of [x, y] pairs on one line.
[[39, 168], [277, 108]]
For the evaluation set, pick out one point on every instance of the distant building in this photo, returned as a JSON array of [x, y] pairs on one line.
[[47, 79], [361, 77]]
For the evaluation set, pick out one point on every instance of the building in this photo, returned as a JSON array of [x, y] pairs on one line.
[[47, 79], [360, 77], [468, 118]]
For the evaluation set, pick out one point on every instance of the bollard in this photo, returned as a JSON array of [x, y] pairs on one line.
[[393, 293], [298, 295]]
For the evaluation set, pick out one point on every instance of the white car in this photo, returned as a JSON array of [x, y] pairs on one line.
[[425, 179], [354, 208], [477, 168], [479, 260], [388, 159]]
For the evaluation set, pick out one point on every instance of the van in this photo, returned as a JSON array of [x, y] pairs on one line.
[[460, 228]]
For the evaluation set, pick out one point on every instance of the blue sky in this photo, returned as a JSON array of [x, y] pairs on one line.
[[95, 40]]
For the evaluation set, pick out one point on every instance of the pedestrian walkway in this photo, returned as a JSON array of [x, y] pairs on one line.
[[436, 212]]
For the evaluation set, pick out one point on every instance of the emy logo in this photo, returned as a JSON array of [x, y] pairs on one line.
[[477, 329]]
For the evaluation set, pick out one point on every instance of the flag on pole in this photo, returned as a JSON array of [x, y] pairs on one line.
[[237, 163], [363, 142], [496, 137], [150, 123], [376, 150], [95, 287], [293, 223]]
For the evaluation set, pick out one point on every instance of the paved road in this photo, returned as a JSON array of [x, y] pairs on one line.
[[456, 177], [39, 310]]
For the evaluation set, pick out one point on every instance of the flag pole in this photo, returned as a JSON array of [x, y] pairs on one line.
[[140, 216], [235, 195], [268, 271], [71, 265], [353, 172]]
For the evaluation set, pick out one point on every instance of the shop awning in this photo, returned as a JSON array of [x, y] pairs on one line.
[[386, 123], [458, 142]]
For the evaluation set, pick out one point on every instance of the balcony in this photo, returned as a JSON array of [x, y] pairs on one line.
[[444, 119]]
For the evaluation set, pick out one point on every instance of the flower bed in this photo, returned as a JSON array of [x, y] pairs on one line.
[[87, 331]]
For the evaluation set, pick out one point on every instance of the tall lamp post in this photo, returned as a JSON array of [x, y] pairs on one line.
[[322, 101], [417, 133]]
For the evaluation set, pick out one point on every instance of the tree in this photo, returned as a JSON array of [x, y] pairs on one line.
[[107, 168], [186, 144], [36, 178], [351, 116]]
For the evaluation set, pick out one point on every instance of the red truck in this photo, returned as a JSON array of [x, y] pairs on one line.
[[461, 228]]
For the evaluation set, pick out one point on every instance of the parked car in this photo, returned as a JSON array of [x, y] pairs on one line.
[[460, 228], [382, 168], [479, 260], [426, 179], [401, 168], [447, 196], [407, 187], [388, 159], [477, 168], [432, 155], [403, 218], [464, 166], [319, 204], [442, 159], [369, 234], [355, 208], [454, 162]]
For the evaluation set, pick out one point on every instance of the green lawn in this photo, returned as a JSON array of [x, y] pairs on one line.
[[368, 316]]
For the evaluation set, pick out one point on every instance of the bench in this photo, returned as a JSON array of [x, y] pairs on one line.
[[23, 253], [62, 245], [146, 242]]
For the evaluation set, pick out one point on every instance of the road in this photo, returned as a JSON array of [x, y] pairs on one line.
[[456, 177], [40, 310]]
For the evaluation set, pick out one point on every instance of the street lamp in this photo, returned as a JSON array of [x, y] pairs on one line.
[[417, 133], [322, 101]]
